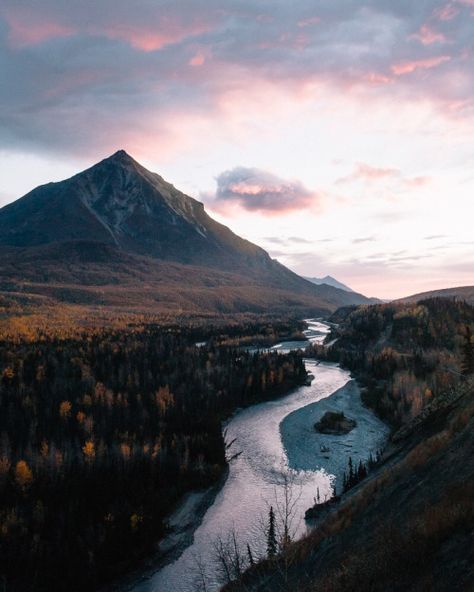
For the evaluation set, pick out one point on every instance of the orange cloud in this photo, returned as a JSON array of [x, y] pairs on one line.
[[408, 67]]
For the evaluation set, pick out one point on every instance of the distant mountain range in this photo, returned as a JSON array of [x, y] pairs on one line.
[[120, 235], [330, 281]]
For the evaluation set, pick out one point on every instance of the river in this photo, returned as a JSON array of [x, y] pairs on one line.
[[271, 441]]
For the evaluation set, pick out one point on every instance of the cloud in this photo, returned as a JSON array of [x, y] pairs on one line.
[[366, 173], [410, 66], [426, 35], [257, 190], [92, 76], [288, 240], [364, 239], [447, 12]]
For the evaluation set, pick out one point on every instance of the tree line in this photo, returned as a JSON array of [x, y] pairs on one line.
[[404, 354], [100, 435]]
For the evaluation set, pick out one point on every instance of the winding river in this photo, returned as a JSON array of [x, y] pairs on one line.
[[268, 441]]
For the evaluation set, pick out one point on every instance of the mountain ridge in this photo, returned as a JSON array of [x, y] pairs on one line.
[[101, 225], [461, 292]]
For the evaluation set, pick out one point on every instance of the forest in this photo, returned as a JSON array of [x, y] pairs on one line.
[[102, 431], [403, 354]]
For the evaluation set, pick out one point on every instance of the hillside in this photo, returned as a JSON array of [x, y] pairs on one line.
[[461, 293], [409, 525], [119, 235]]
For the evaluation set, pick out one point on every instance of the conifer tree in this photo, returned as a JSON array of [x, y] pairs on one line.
[[271, 537], [467, 364]]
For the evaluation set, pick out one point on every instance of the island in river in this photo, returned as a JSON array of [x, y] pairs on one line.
[[335, 423]]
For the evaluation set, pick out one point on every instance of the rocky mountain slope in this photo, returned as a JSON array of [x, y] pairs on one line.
[[120, 235]]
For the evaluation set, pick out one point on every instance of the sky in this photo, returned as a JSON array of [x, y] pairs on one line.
[[338, 134]]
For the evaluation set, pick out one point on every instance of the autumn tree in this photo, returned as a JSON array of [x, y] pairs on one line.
[[23, 475]]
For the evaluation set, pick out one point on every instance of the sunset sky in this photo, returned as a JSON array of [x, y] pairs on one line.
[[337, 134]]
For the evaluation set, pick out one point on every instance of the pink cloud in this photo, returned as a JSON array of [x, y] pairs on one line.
[[200, 56], [370, 174], [408, 67], [426, 35], [198, 59], [25, 31], [166, 32], [256, 190], [32, 28], [446, 12], [366, 172], [376, 79]]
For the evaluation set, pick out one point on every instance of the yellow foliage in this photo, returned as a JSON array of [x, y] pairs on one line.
[[135, 521], [8, 373], [89, 450], [126, 450], [164, 398], [23, 475], [65, 409]]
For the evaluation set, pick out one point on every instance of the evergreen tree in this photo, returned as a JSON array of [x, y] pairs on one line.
[[271, 537], [350, 477], [467, 364]]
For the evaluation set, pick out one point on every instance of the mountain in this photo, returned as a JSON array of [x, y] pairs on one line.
[[330, 281], [117, 234], [460, 293]]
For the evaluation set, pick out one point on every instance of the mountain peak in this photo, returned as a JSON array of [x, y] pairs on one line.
[[120, 157]]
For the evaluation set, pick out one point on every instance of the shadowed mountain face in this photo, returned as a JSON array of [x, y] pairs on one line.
[[119, 202], [119, 224]]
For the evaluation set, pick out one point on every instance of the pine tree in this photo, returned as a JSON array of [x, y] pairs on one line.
[[271, 538], [467, 364], [350, 477]]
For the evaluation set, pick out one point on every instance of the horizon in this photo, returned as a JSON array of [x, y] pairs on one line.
[[337, 138]]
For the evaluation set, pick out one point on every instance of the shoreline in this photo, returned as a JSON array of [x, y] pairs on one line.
[[191, 510], [308, 450]]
